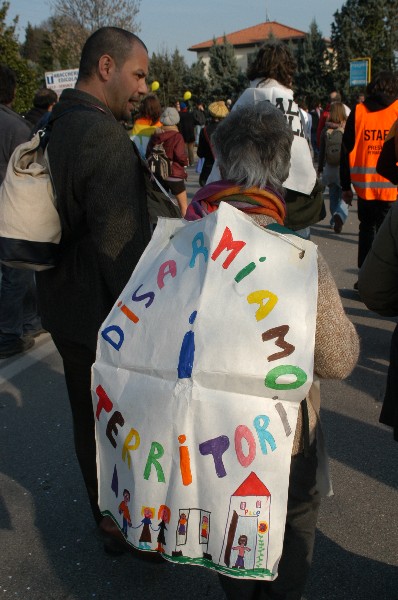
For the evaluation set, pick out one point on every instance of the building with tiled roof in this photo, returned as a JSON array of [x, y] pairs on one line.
[[247, 41]]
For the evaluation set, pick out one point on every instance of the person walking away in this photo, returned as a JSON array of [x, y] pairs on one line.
[[367, 127], [19, 320], [253, 147], [217, 111], [333, 97], [329, 164], [169, 139], [271, 78], [101, 198], [43, 103], [187, 129], [378, 288], [199, 117], [315, 113], [146, 122]]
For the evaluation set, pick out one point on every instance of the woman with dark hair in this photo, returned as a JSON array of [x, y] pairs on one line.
[[271, 78], [146, 123], [253, 145]]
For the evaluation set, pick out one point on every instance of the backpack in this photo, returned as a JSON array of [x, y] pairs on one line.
[[30, 227], [158, 161], [334, 138]]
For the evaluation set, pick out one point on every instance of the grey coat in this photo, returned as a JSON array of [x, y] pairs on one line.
[[101, 200]]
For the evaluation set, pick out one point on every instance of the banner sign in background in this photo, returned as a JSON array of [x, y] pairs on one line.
[[360, 71], [60, 80], [200, 369]]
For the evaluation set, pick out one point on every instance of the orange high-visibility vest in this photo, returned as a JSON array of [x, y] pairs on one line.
[[371, 129]]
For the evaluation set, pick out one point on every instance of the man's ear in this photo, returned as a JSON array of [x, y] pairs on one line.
[[106, 66]]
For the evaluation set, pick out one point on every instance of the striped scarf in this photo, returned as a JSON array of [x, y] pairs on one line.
[[251, 201]]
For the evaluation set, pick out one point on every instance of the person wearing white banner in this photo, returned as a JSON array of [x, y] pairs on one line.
[[271, 78], [253, 150]]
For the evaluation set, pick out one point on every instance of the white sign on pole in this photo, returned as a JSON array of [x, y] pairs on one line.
[[60, 80], [201, 366]]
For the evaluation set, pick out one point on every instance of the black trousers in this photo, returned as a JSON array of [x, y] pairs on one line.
[[298, 544], [78, 359], [371, 214]]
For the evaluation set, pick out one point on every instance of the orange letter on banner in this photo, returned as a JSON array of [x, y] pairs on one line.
[[185, 462]]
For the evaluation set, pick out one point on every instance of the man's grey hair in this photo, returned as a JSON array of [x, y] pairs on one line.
[[252, 145]]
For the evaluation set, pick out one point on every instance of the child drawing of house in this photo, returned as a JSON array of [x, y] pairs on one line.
[[248, 517]]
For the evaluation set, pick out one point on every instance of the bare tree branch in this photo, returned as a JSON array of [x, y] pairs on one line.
[[92, 14]]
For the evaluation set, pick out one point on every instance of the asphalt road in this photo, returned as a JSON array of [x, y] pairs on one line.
[[48, 546]]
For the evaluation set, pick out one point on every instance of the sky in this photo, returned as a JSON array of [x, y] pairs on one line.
[[171, 24]]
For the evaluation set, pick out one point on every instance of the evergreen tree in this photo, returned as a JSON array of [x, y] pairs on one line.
[[364, 28], [226, 80], [197, 83], [37, 47], [170, 72], [314, 77], [27, 78]]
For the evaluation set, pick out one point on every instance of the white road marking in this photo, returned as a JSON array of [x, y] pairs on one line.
[[26, 360]]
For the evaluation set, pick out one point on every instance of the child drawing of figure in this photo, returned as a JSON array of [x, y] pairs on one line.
[[204, 531], [164, 514], [124, 510], [241, 548], [182, 523], [146, 532], [182, 528]]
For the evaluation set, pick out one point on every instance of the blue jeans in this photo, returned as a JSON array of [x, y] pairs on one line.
[[18, 305], [337, 205]]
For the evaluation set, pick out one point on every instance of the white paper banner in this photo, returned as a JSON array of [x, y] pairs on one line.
[[201, 366], [302, 175]]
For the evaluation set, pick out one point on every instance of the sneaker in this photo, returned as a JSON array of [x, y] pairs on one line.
[[16, 346], [338, 223]]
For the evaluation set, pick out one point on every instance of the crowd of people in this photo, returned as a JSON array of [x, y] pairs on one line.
[[266, 155]]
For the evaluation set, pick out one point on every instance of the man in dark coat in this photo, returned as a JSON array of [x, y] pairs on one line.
[[100, 189]]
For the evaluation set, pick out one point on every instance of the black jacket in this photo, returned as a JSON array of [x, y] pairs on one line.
[[101, 200]]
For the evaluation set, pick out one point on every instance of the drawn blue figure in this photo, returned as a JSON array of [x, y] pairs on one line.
[[187, 352]]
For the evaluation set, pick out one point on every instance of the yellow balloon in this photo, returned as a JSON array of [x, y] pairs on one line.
[[155, 86], [187, 96]]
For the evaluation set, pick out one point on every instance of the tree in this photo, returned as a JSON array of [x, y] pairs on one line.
[[74, 20], [364, 28], [197, 83], [313, 76], [67, 38], [226, 80], [170, 72], [92, 14], [27, 77], [37, 47]]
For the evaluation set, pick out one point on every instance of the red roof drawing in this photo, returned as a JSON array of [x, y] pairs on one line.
[[254, 35], [252, 486]]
